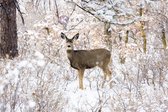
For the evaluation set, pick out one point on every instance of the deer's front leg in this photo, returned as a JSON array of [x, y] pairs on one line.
[[107, 72], [81, 73]]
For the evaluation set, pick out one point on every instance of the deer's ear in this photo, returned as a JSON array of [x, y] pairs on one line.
[[76, 36], [63, 36]]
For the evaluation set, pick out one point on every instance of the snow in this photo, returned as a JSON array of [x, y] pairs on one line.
[[31, 104], [39, 55], [111, 11], [22, 64], [40, 62], [41, 77]]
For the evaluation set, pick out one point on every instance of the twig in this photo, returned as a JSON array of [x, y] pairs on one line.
[[86, 10], [56, 6], [74, 26], [18, 8]]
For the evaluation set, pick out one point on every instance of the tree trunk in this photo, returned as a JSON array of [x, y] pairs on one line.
[[143, 31], [107, 34], [8, 29], [164, 39]]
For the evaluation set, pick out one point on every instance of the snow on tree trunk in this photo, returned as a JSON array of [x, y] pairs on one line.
[[8, 29], [143, 31]]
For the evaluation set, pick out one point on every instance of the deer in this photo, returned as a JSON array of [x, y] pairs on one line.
[[87, 59]]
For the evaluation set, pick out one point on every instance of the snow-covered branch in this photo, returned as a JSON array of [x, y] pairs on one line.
[[119, 12]]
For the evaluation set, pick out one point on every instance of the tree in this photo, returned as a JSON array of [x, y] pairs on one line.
[[117, 12], [110, 12], [8, 29], [125, 14]]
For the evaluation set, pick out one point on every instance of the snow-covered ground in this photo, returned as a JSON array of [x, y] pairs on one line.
[[41, 79]]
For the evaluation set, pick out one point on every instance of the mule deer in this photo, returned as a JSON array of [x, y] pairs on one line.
[[86, 59]]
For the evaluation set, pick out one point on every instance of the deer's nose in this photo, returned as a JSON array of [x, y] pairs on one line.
[[68, 46]]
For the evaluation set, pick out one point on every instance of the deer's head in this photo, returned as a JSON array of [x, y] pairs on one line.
[[69, 42]]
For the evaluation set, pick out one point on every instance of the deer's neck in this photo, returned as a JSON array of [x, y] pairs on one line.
[[69, 54]]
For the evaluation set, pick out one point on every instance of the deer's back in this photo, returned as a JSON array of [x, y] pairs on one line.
[[89, 58]]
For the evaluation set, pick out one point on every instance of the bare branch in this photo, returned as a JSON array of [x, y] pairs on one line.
[[103, 19], [56, 6], [18, 8]]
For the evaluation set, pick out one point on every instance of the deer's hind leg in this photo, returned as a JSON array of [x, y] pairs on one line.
[[81, 73], [107, 72]]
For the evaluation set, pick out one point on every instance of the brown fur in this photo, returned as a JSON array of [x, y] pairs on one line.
[[86, 59]]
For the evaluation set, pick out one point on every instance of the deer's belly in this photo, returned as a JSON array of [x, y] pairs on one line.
[[84, 65], [75, 66], [89, 66]]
